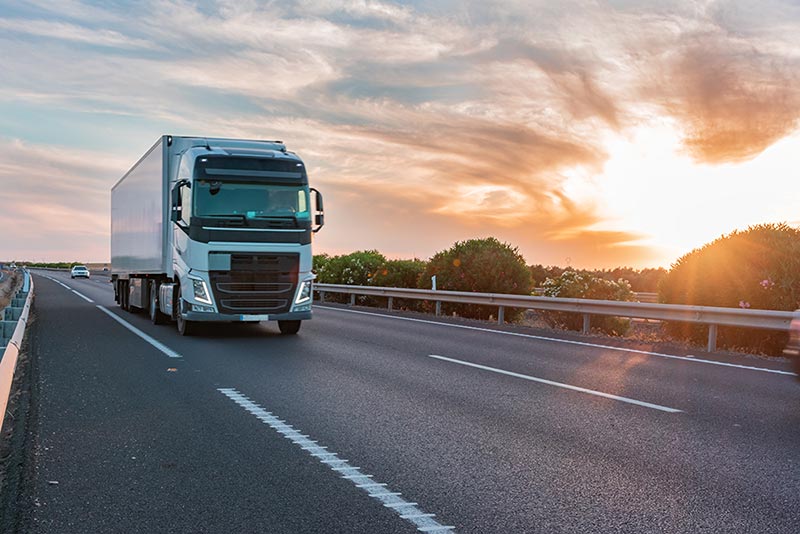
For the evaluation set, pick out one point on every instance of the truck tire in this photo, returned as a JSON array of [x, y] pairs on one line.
[[185, 327], [124, 295], [797, 366], [155, 314], [289, 328]]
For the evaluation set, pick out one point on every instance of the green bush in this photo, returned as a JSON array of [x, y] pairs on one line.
[[479, 265], [354, 269], [400, 273], [583, 285], [319, 262], [758, 268], [644, 280], [540, 273]]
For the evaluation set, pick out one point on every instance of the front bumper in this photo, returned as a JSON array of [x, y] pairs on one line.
[[226, 318]]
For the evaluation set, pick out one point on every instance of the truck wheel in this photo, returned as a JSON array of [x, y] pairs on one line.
[[185, 327], [289, 328], [797, 365], [124, 296], [155, 314]]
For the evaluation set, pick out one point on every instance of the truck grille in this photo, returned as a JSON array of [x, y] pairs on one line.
[[256, 283]]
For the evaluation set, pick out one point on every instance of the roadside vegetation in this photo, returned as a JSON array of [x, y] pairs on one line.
[[757, 268], [585, 285]]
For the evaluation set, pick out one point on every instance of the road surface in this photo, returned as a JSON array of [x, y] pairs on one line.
[[366, 422]]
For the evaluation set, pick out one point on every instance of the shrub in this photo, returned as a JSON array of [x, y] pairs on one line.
[[574, 284], [319, 262], [400, 273], [644, 280], [540, 273], [479, 265], [757, 268], [354, 269]]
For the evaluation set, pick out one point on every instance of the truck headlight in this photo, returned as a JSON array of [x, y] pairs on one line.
[[201, 291], [304, 294]]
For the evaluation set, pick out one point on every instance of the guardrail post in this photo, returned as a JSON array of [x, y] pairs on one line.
[[352, 299], [390, 303], [322, 296], [712, 337], [438, 308], [501, 314], [587, 323]]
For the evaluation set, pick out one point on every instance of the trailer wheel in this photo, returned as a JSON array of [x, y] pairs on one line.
[[155, 314], [124, 295], [289, 328]]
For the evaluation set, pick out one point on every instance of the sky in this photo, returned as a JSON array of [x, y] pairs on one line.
[[591, 134]]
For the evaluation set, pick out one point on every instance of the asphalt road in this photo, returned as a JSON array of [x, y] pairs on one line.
[[343, 427]]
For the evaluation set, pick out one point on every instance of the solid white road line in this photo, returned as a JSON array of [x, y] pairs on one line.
[[558, 384], [157, 344], [567, 341], [408, 511]]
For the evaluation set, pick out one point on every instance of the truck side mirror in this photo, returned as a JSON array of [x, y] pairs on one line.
[[319, 211], [176, 207]]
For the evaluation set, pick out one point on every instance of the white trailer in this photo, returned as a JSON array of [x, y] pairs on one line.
[[207, 229]]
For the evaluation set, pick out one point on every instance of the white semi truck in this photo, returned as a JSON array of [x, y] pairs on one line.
[[206, 229]]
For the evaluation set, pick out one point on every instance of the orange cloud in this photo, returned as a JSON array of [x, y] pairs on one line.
[[732, 99]]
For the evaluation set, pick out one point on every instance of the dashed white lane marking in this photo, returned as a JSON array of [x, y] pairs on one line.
[[157, 344], [81, 295], [408, 511], [567, 341], [84, 297], [558, 384]]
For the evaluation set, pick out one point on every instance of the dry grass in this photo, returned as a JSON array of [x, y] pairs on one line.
[[8, 287]]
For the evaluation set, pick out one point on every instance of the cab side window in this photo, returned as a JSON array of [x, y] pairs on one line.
[[186, 204], [184, 173]]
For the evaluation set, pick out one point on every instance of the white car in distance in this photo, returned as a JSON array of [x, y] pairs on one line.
[[79, 271]]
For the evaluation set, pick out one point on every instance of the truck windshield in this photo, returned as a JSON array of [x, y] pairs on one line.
[[250, 199]]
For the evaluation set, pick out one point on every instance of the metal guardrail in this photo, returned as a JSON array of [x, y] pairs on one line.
[[707, 315], [641, 296], [15, 320]]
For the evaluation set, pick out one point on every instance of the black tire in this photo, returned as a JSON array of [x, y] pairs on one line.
[[185, 327], [124, 295], [289, 328], [797, 365], [156, 317]]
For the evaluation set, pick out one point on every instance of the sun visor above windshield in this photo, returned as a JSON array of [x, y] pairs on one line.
[[250, 169]]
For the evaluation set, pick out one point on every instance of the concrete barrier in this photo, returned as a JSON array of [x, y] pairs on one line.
[[11, 333]]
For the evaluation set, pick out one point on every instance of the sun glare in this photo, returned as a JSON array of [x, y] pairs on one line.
[[651, 186]]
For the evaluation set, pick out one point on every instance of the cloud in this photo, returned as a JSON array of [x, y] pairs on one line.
[[732, 100], [72, 32], [55, 200], [728, 74]]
